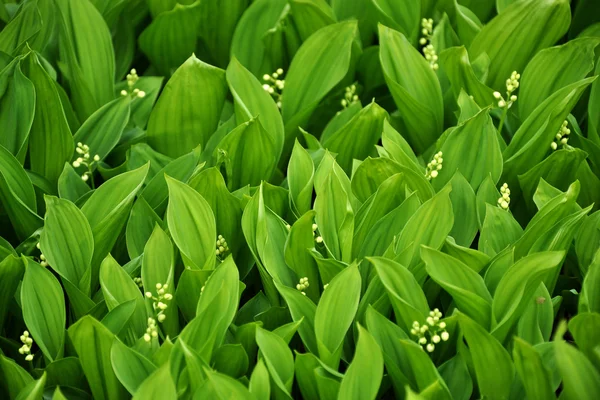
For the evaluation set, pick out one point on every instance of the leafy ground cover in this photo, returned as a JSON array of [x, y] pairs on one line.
[[343, 199]]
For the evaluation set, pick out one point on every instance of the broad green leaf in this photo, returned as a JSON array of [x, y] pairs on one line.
[[589, 299], [552, 69], [414, 87], [252, 101], [260, 385], [171, 37], [158, 266], [130, 367], [335, 217], [499, 230], [580, 379], [17, 121], [18, 196], [140, 225], [319, 65], [11, 273], [188, 109], [583, 326], [95, 357], [15, 377], [221, 387], [301, 172], [301, 309], [472, 149], [513, 37], [50, 141], [457, 65], [67, 242], [87, 53], [192, 225], [494, 378], [278, 357], [102, 130], [406, 295], [34, 390], [43, 303], [249, 155], [247, 45], [107, 209], [23, 27], [157, 386], [310, 16], [356, 139], [429, 226], [363, 376], [518, 286], [119, 288], [70, 185], [401, 16], [335, 313], [464, 203], [456, 375], [530, 368]]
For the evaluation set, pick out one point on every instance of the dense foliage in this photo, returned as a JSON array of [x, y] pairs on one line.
[[319, 199]]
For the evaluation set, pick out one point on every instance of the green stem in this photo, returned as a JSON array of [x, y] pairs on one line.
[[504, 114], [91, 175]]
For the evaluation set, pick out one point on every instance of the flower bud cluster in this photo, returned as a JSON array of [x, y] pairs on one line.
[[428, 49], [160, 300], [431, 333], [222, 247], [303, 285], [132, 78], [274, 85], [26, 348], [350, 96], [512, 84], [85, 160], [152, 330], [562, 137], [43, 261], [318, 238], [138, 281], [434, 166], [504, 200]]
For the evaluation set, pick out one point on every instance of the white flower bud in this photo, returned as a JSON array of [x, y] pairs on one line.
[[445, 336], [161, 317], [84, 178], [149, 295], [436, 339], [29, 357], [430, 347], [319, 239], [497, 95], [147, 337], [123, 92]]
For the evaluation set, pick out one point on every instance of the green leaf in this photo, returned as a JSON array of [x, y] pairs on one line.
[[247, 43], [513, 37], [260, 385], [43, 303], [583, 326], [401, 16], [494, 379], [580, 379], [118, 288], [67, 242], [472, 149], [356, 139], [406, 295], [34, 390], [363, 377], [301, 172], [50, 140], [310, 16], [11, 273], [192, 225], [278, 357], [15, 378], [414, 87], [457, 65], [70, 185], [335, 313], [95, 357], [466, 287], [188, 109], [102, 130], [130, 367], [23, 27], [250, 154], [140, 225], [159, 385], [18, 196], [171, 37], [552, 69], [319, 65], [589, 299], [158, 266], [107, 209], [252, 101], [302, 309], [17, 121], [518, 286], [499, 230], [87, 51], [464, 203], [221, 387]]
